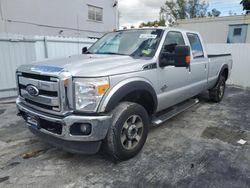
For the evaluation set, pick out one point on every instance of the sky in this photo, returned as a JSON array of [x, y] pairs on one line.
[[134, 12]]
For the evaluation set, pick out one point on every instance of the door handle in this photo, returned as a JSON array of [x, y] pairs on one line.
[[164, 87]]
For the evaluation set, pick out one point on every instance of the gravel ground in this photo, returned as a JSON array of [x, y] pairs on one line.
[[197, 148]]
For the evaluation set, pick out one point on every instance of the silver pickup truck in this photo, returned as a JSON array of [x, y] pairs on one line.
[[125, 82]]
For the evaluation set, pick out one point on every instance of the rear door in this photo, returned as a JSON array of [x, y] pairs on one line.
[[199, 64]]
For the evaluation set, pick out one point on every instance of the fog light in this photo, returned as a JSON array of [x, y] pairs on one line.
[[85, 128], [79, 129]]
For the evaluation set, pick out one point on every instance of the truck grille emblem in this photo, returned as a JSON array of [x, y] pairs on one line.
[[32, 90]]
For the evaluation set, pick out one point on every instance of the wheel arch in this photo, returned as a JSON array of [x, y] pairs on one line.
[[131, 91], [224, 71]]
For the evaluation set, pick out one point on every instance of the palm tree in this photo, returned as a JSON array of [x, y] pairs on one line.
[[245, 4]]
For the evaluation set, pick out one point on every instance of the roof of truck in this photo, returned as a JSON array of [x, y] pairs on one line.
[[163, 28]]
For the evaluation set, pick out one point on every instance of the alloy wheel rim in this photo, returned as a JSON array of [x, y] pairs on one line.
[[131, 132]]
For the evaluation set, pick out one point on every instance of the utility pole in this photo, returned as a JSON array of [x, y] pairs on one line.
[[1, 11], [115, 5], [2, 19]]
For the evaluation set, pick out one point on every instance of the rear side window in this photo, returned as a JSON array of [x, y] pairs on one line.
[[196, 46], [172, 39]]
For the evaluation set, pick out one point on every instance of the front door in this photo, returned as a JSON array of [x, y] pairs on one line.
[[173, 81]]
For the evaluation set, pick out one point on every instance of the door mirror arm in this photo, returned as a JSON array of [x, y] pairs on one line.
[[84, 50]]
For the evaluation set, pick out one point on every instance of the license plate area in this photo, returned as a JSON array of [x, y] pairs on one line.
[[33, 121], [43, 124]]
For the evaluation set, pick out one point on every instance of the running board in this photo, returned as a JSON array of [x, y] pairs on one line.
[[173, 111]]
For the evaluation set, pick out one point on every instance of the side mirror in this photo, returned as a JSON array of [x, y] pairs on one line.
[[84, 50], [179, 58], [166, 59], [182, 56]]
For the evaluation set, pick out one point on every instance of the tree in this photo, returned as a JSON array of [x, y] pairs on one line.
[[161, 22], [197, 8], [182, 9], [245, 4], [214, 13]]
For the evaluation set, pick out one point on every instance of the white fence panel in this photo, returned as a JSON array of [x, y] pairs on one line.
[[241, 62], [16, 50], [62, 47]]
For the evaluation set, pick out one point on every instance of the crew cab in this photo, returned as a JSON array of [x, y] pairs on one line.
[[125, 82]]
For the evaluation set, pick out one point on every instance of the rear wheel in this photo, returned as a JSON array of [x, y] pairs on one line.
[[128, 132], [216, 94]]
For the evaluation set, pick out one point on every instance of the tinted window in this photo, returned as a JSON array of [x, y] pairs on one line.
[[196, 46], [173, 38], [237, 31]]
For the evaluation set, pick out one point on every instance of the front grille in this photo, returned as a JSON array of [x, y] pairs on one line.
[[53, 127], [48, 87], [37, 76], [39, 104]]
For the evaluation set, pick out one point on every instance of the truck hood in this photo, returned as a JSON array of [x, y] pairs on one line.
[[90, 65]]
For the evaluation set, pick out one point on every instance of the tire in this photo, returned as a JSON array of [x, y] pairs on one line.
[[216, 94], [128, 132]]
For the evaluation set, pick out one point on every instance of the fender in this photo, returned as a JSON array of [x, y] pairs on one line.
[[124, 88], [225, 66]]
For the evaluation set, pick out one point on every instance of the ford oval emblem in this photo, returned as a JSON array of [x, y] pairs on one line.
[[32, 90]]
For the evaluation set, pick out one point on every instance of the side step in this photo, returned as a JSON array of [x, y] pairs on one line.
[[173, 111]]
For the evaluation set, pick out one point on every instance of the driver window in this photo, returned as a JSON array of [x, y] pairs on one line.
[[172, 39]]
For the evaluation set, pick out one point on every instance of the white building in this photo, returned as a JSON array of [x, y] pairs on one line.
[[77, 18], [229, 29]]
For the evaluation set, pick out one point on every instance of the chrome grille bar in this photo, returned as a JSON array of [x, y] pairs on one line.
[[41, 85], [42, 99]]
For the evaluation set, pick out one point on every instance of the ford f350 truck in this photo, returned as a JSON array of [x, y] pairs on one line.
[[125, 82]]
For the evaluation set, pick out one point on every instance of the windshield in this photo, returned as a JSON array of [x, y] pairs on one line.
[[128, 42]]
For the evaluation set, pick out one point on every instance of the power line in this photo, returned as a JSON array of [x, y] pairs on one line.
[[223, 7], [55, 27], [219, 1], [223, 3]]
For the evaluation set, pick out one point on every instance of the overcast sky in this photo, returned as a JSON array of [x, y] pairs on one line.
[[134, 12]]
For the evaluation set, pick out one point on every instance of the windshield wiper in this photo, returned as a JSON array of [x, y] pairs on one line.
[[112, 53]]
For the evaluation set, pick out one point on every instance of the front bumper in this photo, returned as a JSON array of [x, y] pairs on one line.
[[87, 144]]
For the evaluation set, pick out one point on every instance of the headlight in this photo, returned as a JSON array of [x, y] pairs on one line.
[[89, 92]]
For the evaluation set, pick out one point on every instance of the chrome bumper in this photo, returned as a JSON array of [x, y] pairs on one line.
[[99, 124]]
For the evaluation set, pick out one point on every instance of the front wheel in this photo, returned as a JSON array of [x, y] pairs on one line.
[[216, 94], [128, 132]]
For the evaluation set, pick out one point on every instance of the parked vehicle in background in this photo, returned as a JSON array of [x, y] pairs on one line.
[[110, 95]]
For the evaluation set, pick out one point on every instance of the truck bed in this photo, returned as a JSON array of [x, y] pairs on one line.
[[216, 61]]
